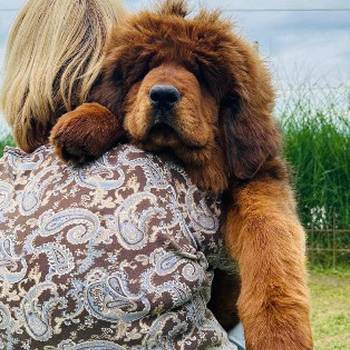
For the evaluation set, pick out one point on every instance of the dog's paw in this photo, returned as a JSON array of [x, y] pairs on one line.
[[84, 134]]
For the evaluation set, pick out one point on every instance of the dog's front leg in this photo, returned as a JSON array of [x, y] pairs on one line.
[[86, 133], [263, 233]]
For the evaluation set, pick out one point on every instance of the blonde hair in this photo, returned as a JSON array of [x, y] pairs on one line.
[[54, 56]]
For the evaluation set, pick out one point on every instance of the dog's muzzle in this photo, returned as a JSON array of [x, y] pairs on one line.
[[163, 99]]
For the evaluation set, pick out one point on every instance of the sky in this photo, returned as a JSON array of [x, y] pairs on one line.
[[311, 47]]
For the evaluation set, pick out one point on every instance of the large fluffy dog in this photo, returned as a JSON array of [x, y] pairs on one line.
[[191, 87]]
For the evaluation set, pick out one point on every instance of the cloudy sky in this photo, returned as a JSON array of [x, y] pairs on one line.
[[300, 46]]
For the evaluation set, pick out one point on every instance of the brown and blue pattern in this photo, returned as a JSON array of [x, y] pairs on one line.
[[111, 256]]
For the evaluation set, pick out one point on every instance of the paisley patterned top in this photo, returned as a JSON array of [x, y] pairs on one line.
[[115, 255]]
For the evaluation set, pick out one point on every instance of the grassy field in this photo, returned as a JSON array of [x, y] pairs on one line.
[[330, 294]]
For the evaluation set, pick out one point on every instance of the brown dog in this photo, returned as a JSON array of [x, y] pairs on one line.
[[192, 87]]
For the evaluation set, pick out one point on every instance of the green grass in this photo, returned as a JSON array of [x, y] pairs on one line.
[[330, 295], [317, 145]]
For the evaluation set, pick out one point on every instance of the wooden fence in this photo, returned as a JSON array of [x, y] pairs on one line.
[[329, 247]]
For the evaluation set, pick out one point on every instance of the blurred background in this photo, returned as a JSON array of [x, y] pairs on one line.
[[306, 44]]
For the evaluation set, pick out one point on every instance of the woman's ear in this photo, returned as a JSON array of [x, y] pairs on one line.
[[251, 135]]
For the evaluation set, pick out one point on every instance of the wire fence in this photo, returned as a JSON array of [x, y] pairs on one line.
[[329, 248]]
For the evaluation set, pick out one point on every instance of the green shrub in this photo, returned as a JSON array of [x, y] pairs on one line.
[[317, 145], [8, 141]]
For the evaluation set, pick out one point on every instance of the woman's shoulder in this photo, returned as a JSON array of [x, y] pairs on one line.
[[122, 156], [160, 171], [125, 170], [125, 156]]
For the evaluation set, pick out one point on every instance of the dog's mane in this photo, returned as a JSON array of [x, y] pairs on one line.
[[208, 47], [202, 43], [173, 7]]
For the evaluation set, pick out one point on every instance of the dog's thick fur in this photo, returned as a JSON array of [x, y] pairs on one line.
[[223, 132]]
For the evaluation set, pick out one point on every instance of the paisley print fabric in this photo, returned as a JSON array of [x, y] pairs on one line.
[[116, 255]]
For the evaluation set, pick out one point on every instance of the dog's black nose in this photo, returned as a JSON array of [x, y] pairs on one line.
[[164, 95]]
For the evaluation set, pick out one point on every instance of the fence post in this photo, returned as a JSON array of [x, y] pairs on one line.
[[311, 244], [334, 241]]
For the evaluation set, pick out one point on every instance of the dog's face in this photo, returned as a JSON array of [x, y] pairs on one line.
[[190, 86], [169, 109]]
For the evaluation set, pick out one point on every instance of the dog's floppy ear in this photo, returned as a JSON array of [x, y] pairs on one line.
[[251, 135], [174, 7]]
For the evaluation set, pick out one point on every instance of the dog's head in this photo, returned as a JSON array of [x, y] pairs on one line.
[[190, 85]]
